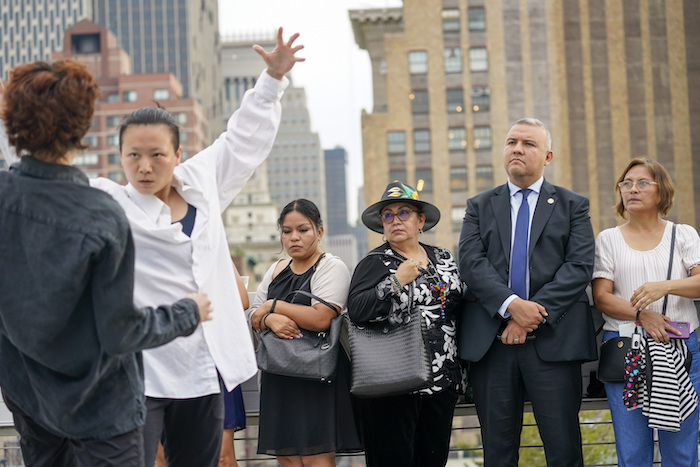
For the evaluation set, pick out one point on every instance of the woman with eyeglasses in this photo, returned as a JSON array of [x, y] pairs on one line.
[[409, 429], [629, 285]]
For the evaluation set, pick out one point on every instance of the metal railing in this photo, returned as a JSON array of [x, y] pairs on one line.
[[465, 444]]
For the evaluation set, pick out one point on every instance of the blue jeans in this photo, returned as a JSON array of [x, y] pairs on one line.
[[634, 439]]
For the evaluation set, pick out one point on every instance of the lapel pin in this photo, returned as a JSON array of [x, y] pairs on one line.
[[550, 201]]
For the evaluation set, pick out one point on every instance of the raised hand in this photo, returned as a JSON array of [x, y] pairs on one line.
[[282, 59]]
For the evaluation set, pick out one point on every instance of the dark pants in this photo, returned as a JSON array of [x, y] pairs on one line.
[[408, 430], [43, 448], [191, 430], [502, 379]]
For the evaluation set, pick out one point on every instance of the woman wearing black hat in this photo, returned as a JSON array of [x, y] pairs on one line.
[[409, 429]]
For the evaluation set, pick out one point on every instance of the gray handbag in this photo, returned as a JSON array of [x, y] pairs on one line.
[[389, 360], [313, 356]]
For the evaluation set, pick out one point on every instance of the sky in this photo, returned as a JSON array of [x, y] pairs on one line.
[[336, 75]]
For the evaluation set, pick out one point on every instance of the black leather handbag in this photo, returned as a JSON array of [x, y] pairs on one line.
[[611, 365]]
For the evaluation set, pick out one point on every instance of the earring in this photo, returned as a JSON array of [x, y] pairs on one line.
[[420, 232], [384, 238]]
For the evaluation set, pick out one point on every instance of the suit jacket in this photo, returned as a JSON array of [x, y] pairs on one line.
[[561, 255]]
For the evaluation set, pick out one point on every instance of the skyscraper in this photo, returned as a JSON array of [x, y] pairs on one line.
[[612, 80], [32, 31], [176, 36], [336, 186]]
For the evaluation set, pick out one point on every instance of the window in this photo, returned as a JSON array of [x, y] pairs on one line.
[[457, 139], [482, 137], [396, 142], [129, 96], [112, 140], [112, 98], [424, 180], [455, 101], [421, 140], [183, 136], [477, 19], [478, 59], [457, 214], [484, 177], [450, 20], [113, 121], [116, 176], [453, 60], [418, 62], [180, 118], [458, 178], [419, 102], [161, 94], [481, 97], [113, 158], [399, 175], [86, 159], [90, 141]]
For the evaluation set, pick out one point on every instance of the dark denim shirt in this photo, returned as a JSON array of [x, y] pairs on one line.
[[70, 336]]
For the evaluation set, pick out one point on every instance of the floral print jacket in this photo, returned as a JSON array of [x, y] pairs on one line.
[[437, 293]]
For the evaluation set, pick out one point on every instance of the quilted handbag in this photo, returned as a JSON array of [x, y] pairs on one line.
[[313, 356], [387, 359]]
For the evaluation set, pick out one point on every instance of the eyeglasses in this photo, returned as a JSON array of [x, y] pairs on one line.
[[388, 217], [642, 185]]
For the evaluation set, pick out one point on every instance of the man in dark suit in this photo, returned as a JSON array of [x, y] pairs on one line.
[[527, 326]]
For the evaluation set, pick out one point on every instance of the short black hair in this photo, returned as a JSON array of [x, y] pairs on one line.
[[151, 116]]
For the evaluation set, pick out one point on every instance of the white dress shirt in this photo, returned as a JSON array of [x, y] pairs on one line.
[[515, 202], [169, 264]]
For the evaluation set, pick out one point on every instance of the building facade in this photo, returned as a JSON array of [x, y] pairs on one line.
[[171, 36], [121, 93], [33, 31], [251, 220], [336, 191], [612, 80]]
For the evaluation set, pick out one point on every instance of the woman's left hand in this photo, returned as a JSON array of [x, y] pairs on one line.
[[282, 59], [647, 294]]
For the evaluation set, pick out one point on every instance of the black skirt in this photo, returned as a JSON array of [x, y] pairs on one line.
[[303, 418]]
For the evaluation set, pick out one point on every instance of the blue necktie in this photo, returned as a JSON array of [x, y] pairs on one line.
[[518, 265]]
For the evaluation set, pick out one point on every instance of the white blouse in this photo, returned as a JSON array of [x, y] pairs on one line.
[[629, 269], [331, 282]]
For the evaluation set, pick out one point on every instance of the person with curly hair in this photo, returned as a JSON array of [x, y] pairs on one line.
[[70, 337]]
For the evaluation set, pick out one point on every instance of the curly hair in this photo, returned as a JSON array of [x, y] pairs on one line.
[[48, 108]]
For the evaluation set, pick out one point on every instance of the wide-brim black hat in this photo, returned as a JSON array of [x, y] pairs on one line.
[[394, 193]]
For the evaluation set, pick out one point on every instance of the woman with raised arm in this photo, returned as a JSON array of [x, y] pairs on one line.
[[175, 215]]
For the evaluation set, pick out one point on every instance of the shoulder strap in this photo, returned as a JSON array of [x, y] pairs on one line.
[[670, 265], [382, 253], [309, 294], [315, 297]]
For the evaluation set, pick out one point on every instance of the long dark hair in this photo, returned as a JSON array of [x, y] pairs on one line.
[[151, 116]]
